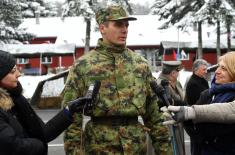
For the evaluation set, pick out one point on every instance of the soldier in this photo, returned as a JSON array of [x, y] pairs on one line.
[[124, 95], [170, 73]]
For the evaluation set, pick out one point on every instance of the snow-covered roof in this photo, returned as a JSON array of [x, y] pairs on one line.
[[19, 49], [144, 31]]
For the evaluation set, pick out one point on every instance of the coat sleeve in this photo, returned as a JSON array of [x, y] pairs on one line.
[[153, 119], [217, 113], [34, 125], [10, 142]]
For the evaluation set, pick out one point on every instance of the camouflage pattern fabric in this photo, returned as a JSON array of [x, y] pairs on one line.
[[112, 13], [125, 91]]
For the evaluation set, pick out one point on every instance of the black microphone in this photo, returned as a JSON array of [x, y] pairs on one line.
[[160, 92], [212, 68], [93, 90]]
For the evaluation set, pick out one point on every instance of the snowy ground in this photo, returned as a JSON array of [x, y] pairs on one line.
[[54, 88]]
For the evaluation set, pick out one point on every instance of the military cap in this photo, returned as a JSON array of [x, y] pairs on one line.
[[169, 66], [112, 13]]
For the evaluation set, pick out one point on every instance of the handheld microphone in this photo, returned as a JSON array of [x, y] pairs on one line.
[[212, 68], [160, 92], [93, 90]]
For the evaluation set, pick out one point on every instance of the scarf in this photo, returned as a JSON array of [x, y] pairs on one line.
[[222, 92]]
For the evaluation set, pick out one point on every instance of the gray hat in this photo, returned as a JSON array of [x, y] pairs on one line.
[[169, 66]]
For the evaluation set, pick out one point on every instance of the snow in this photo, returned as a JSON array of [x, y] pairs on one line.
[[144, 31], [39, 48], [55, 87]]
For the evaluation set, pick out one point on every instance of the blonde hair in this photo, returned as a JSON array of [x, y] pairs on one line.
[[229, 60]]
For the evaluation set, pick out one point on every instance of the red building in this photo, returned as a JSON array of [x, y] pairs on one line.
[[47, 52]]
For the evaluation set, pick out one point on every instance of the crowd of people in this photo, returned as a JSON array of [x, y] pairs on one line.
[[205, 113]]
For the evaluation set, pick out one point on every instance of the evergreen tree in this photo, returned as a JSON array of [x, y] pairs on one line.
[[184, 13], [180, 13], [31, 7], [10, 19]]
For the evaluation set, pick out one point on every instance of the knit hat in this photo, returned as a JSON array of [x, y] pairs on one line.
[[112, 13], [7, 62]]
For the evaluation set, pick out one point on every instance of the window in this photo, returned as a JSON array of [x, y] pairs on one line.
[[22, 61], [46, 60]]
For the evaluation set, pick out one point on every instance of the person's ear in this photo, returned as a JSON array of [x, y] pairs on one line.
[[102, 28]]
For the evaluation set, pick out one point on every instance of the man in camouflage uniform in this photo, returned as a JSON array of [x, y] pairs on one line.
[[124, 95], [170, 73]]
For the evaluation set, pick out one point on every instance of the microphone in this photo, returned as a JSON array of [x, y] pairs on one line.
[[165, 84], [93, 90], [160, 92], [212, 68], [85, 103]]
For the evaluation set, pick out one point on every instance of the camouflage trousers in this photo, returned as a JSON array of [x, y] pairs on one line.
[[99, 139]]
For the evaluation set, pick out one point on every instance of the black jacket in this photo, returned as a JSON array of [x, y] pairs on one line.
[[220, 137], [23, 132], [194, 88]]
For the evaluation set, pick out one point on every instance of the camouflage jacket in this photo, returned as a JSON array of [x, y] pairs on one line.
[[125, 78]]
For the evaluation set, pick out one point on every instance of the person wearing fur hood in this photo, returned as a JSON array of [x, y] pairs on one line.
[[21, 130]]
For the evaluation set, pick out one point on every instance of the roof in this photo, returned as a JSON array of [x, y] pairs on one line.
[[32, 49], [144, 31]]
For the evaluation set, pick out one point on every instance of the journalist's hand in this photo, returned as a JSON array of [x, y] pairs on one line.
[[79, 105], [182, 113]]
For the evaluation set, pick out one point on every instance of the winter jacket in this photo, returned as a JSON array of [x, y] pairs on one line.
[[194, 88], [124, 93], [217, 113], [22, 131], [217, 138]]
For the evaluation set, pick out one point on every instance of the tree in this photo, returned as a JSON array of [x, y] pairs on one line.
[[183, 13], [31, 7], [180, 13], [217, 12], [10, 19]]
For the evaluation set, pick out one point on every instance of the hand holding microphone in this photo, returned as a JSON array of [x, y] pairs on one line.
[[85, 103]]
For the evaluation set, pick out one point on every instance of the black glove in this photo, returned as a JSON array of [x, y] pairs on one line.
[[79, 105]]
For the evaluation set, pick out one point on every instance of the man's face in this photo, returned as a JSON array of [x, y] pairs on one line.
[[115, 32], [201, 71]]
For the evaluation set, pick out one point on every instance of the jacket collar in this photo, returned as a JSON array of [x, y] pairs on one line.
[[102, 46]]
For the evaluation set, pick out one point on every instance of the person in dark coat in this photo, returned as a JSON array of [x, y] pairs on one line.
[[196, 84], [22, 132]]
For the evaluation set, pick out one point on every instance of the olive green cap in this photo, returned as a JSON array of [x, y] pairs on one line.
[[169, 66], [112, 13]]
